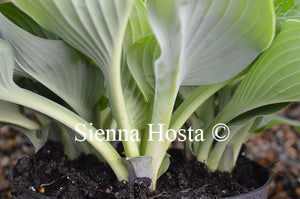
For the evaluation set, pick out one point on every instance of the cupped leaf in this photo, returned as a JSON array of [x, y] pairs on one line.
[[140, 59], [57, 66], [274, 79], [269, 85], [18, 17], [138, 25], [95, 27], [203, 42], [210, 41], [137, 28], [10, 92]]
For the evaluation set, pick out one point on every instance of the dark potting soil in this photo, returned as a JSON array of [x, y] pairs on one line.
[[49, 174]]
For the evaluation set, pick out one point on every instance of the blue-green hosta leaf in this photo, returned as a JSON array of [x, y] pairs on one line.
[[95, 27], [273, 79], [257, 112], [136, 106], [209, 41], [286, 9], [271, 83], [6, 83], [10, 113], [137, 27], [140, 59], [18, 17], [57, 66], [268, 121], [203, 42], [10, 92]]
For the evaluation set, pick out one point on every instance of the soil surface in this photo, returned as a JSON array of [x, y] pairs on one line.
[[49, 174]]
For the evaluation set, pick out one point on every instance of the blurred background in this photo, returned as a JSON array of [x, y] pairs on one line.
[[279, 148]]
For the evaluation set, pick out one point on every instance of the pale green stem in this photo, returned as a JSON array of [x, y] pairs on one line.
[[162, 111], [223, 117], [206, 146], [115, 92], [190, 105], [119, 111], [236, 139], [70, 119], [162, 115], [21, 121]]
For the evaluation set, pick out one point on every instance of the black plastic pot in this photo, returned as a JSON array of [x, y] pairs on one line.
[[259, 193]]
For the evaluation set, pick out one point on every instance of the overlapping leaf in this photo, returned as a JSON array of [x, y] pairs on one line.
[[203, 42], [140, 61], [210, 41], [18, 17], [57, 66], [274, 79], [95, 27], [10, 92], [137, 28]]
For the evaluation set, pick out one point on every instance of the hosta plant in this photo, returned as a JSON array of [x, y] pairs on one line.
[[95, 72]]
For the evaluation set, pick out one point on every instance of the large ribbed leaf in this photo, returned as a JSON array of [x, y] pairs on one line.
[[57, 66], [273, 79], [10, 92], [203, 42], [95, 27], [209, 41], [270, 84], [18, 17]]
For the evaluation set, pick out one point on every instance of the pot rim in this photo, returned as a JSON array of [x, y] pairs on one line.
[[264, 186]]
